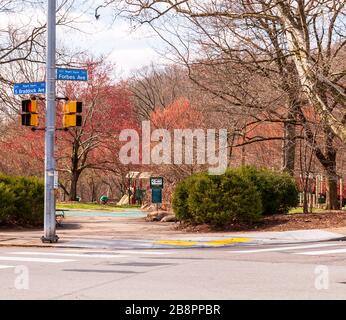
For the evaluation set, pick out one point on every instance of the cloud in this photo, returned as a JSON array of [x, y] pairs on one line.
[[129, 49], [129, 60]]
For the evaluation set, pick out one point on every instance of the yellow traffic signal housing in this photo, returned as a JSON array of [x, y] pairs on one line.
[[71, 117], [30, 119], [29, 115], [73, 107], [69, 120]]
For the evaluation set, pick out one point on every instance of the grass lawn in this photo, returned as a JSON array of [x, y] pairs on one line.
[[94, 206], [300, 210]]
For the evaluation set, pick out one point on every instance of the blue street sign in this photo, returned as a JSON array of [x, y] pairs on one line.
[[29, 88], [72, 74]]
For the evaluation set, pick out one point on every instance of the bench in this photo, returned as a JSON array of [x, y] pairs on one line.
[[59, 215]]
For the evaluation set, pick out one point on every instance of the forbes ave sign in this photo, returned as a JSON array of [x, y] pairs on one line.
[[72, 74]]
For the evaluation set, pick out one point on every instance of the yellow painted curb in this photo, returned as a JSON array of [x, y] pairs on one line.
[[176, 242], [222, 242]]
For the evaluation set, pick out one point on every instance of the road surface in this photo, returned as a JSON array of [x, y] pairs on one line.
[[315, 270]]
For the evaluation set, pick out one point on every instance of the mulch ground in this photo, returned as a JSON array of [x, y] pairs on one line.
[[279, 222]]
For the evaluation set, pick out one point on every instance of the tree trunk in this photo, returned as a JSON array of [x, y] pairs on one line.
[[311, 79], [332, 202], [289, 147], [73, 189], [93, 193], [305, 202]]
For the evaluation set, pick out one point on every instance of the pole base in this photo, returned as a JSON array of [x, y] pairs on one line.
[[50, 240]]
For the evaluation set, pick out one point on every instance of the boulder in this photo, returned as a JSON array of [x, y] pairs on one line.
[[151, 207], [156, 215], [145, 206], [169, 218]]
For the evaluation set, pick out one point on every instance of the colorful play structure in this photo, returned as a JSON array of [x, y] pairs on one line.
[[138, 188]]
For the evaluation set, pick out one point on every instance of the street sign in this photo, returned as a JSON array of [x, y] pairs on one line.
[[56, 180], [72, 74], [30, 88], [40, 87], [156, 182]]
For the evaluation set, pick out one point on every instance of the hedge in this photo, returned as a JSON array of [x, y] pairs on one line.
[[21, 200], [278, 190], [217, 200], [240, 195]]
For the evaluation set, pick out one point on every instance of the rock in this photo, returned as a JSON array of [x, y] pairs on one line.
[[152, 207], [156, 215], [169, 218], [160, 215]]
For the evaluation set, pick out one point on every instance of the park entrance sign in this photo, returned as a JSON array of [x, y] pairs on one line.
[[156, 186], [156, 182]]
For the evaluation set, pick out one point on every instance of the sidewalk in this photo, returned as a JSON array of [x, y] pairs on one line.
[[135, 233]]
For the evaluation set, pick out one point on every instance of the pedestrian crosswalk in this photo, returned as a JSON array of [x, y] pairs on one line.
[[322, 252], [9, 259], [6, 267], [67, 256], [300, 249], [31, 259], [73, 255]]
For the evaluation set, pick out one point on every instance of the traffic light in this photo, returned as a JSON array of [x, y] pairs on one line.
[[29, 113], [72, 116]]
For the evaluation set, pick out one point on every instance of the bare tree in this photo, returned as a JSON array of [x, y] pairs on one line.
[[295, 45], [23, 46]]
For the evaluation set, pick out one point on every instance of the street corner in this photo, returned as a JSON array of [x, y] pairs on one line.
[[258, 238], [186, 243]]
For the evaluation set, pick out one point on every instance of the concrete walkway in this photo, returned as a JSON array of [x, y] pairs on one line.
[[135, 233]]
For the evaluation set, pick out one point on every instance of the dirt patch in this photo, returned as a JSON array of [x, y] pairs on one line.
[[277, 222]]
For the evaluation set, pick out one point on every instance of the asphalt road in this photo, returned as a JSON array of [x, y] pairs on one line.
[[287, 271]]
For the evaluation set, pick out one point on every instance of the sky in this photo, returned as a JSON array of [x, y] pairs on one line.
[[128, 47]]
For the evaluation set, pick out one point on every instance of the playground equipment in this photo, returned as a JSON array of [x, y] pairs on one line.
[[138, 188]]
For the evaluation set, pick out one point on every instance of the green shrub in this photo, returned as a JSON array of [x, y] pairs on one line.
[[278, 190], [217, 200], [239, 195], [179, 201], [21, 200], [7, 200], [180, 197]]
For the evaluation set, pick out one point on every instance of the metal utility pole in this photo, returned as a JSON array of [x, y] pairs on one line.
[[49, 196]]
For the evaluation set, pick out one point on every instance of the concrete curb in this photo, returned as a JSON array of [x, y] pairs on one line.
[[182, 242]]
